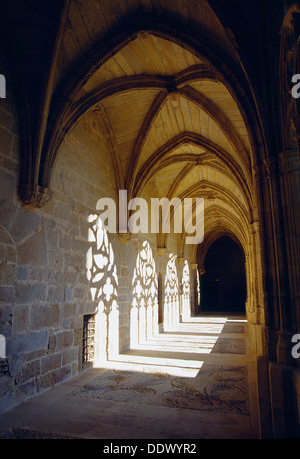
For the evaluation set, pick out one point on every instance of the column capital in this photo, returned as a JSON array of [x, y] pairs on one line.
[[33, 195], [161, 250]]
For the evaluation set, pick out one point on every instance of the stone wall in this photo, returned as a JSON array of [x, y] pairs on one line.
[[44, 289]]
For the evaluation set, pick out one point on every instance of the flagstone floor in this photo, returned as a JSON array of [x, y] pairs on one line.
[[192, 382]]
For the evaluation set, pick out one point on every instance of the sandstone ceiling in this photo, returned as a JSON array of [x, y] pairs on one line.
[[173, 121]]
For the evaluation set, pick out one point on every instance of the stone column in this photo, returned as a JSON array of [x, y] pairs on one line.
[[193, 279], [254, 305], [289, 167], [278, 220], [279, 263], [267, 261]]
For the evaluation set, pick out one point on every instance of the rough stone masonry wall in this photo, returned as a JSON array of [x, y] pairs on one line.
[[44, 290]]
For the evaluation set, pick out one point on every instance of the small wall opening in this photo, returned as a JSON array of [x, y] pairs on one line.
[[223, 286], [88, 339]]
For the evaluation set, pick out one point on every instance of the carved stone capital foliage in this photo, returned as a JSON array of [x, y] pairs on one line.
[[34, 196]]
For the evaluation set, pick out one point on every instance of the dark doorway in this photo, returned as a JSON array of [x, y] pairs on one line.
[[223, 286]]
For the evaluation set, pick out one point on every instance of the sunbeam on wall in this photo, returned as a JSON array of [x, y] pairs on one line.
[[144, 311], [102, 273]]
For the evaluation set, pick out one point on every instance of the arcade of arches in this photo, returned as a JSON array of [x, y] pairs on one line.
[[163, 99]]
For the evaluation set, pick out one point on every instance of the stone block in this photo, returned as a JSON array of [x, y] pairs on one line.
[[64, 340], [45, 381], [6, 313], [76, 322], [78, 337], [21, 319], [24, 223], [68, 293], [28, 342], [16, 363], [56, 293], [30, 370], [25, 391], [52, 344], [45, 315], [7, 205], [50, 363], [61, 212], [7, 274], [33, 250], [26, 293], [5, 237], [62, 373], [21, 273], [7, 253], [69, 356], [6, 294], [52, 237], [68, 310]]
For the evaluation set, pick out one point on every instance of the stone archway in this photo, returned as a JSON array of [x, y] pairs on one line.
[[224, 286]]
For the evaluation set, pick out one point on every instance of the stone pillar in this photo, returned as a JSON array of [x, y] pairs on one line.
[[193, 280], [254, 305], [278, 266], [277, 372], [267, 261], [289, 167]]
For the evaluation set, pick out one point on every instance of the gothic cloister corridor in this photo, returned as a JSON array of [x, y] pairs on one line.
[[149, 219], [192, 382]]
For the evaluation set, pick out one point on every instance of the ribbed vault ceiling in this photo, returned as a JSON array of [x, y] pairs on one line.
[[160, 77], [172, 125]]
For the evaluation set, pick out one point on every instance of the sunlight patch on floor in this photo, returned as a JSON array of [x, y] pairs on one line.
[[143, 364], [157, 354]]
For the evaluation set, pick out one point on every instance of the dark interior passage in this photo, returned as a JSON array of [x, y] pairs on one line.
[[223, 286]]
